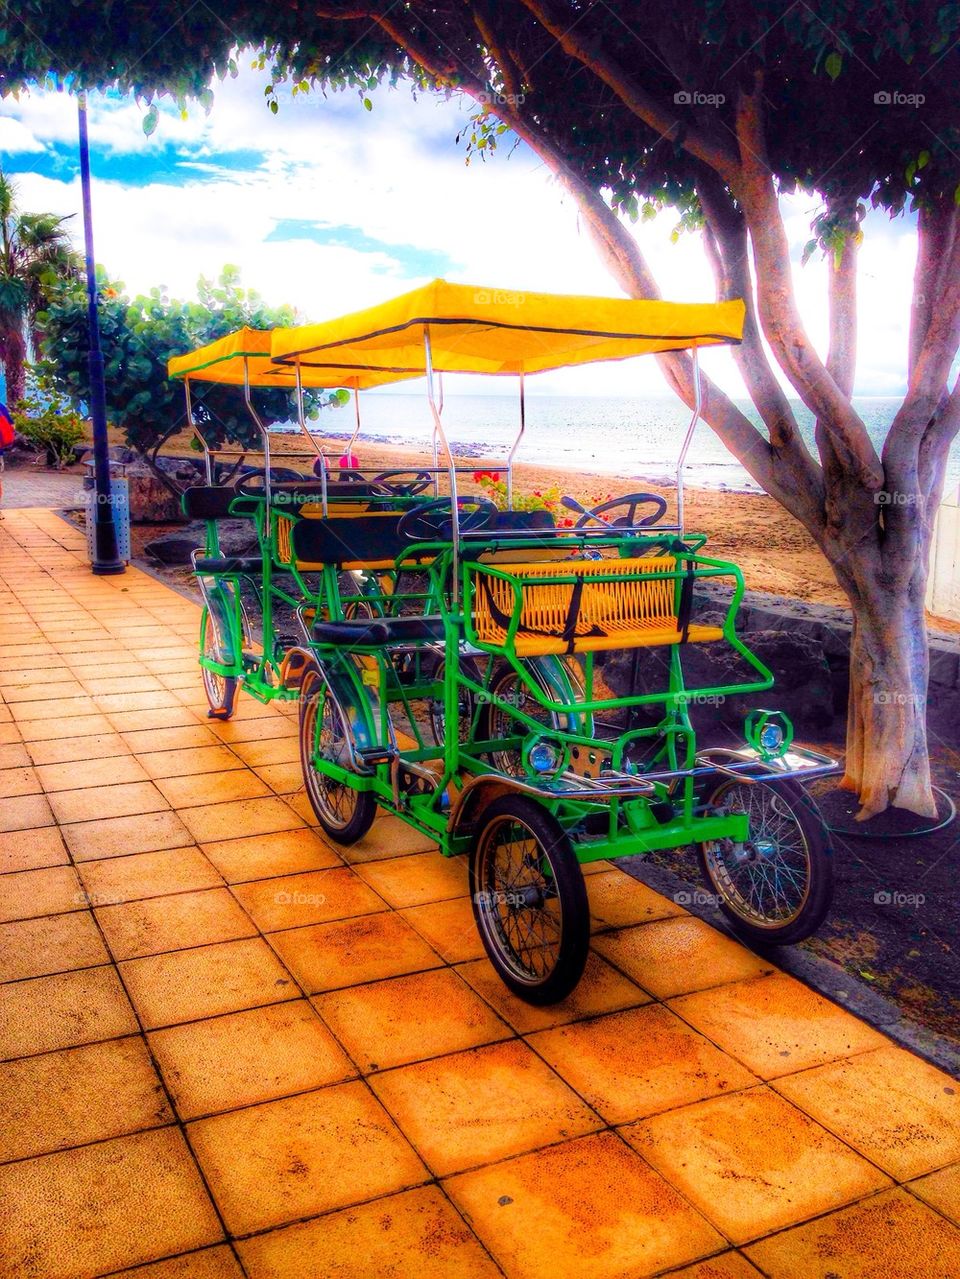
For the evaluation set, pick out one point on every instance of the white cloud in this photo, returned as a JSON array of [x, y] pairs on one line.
[[16, 138]]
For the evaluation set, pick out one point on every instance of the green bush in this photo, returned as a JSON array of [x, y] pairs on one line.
[[46, 420]]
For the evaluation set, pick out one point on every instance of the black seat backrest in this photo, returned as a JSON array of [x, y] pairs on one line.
[[297, 493], [212, 502], [357, 539], [516, 520]]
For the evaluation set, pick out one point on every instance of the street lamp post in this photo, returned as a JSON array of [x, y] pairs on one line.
[[106, 558]]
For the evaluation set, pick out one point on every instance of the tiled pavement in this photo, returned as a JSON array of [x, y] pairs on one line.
[[228, 1049]]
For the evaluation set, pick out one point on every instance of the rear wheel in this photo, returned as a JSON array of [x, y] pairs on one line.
[[344, 813], [776, 887], [529, 900], [221, 690], [500, 724]]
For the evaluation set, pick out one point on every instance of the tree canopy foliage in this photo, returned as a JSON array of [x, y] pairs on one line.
[[138, 335]]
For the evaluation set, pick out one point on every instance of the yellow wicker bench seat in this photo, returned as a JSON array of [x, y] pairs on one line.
[[629, 606]]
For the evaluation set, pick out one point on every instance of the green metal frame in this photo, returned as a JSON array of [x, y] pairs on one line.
[[658, 803]]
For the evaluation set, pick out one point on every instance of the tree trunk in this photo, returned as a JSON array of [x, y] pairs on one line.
[[13, 367], [887, 761]]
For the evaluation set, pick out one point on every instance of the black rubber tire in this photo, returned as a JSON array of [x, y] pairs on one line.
[[797, 806], [343, 829], [555, 848], [221, 690]]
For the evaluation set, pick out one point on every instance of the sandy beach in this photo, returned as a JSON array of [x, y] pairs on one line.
[[775, 552]]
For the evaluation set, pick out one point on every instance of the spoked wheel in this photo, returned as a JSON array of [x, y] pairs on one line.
[[529, 900], [776, 887], [344, 813], [507, 685], [221, 690]]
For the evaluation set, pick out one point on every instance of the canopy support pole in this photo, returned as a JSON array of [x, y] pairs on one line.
[[248, 400], [697, 404], [302, 421], [356, 429], [207, 461], [438, 413], [516, 442], [440, 437]]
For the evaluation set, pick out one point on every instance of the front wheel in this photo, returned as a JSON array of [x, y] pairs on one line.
[[529, 900], [776, 887], [221, 690], [344, 813]]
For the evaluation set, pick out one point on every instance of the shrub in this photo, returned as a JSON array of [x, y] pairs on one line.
[[47, 421]]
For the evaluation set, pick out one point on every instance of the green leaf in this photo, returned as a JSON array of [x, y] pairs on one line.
[[833, 64], [923, 159], [151, 119], [367, 104]]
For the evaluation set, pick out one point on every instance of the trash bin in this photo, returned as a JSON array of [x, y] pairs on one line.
[[119, 500]]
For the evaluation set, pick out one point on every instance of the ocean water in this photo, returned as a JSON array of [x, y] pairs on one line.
[[628, 437]]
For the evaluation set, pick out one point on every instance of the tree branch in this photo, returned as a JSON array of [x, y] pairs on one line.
[[782, 326], [729, 231], [936, 230], [842, 294], [578, 44]]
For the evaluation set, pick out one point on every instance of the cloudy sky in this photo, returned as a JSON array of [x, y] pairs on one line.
[[332, 207]]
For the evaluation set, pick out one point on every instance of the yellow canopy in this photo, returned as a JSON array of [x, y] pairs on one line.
[[482, 330], [223, 361]]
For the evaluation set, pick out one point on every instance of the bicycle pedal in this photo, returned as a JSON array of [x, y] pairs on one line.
[[374, 755]]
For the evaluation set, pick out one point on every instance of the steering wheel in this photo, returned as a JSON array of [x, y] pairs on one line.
[[631, 501], [248, 486], [416, 482], [433, 521]]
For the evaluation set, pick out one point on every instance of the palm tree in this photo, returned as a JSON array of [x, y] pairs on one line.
[[35, 254]]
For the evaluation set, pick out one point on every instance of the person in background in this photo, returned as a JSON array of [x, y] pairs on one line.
[[7, 433], [346, 462]]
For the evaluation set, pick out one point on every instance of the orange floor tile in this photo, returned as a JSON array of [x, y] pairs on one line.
[[230, 1048]]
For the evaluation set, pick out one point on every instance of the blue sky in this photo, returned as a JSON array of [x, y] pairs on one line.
[[332, 207]]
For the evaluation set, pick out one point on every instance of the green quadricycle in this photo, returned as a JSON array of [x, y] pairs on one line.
[[477, 706]]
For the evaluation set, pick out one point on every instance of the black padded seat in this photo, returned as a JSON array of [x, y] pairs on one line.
[[229, 564], [357, 539], [378, 631], [208, 501]]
